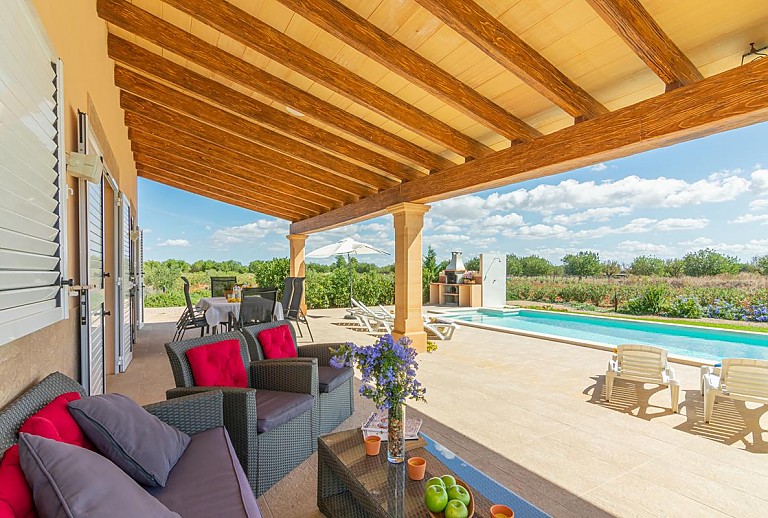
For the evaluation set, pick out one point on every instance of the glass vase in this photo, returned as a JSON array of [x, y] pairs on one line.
[[396, 434]]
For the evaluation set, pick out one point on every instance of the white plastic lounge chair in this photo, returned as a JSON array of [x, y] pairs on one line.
[[442, 330], [644, 364], [738, 378], [370, 319]]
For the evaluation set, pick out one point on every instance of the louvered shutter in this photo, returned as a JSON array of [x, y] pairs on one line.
[[31, 176]]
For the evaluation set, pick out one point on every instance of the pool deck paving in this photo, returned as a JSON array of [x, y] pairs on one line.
[[531, 414]]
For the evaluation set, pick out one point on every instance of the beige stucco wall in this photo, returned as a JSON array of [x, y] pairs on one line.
[[79, 38]]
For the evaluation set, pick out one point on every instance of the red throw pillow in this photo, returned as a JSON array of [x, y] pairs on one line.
[[15, 494], [55, 422], [277, 342], [218, 365]]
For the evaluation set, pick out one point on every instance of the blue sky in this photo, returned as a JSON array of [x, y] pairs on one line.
[[711, 192]]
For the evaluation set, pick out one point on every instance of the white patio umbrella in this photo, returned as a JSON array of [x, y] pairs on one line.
[[346, 246]]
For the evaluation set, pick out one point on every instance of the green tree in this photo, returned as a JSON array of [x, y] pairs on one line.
[[429, 272], [583, 264], [272, 273], [761, 263], [514, 266], [674, 267], [231, 266], [611, 268], [473, 264], [203, 265], [533, 266], [163, 276], [707, 262], [646, 265]]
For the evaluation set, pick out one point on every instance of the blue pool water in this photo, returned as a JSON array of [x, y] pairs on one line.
[[695, 342]]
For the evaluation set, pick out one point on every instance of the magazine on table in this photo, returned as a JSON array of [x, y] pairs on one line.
[[377, 422]]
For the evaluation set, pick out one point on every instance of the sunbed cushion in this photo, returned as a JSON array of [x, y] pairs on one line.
[[274, 408], [15, 494], [330, 377], [68, 480], [277, 342], [136, 441], [208, 480], [54, 421], [218, 365]]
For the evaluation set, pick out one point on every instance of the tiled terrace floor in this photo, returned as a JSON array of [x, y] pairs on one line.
[[531, 414]]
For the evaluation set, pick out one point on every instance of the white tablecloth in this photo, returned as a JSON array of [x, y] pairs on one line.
[[217, 310]]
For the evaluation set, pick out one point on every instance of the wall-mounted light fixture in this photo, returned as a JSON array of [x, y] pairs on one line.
[[754, 53]]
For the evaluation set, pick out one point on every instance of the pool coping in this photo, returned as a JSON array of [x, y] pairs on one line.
[[447, 312]]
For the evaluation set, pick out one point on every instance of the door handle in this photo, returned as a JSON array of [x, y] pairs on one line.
[[106, 274], [106, 313]]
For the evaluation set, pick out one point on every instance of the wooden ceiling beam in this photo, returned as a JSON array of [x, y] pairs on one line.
[[504, 46], [182, 43], [357, 32], [243, 177], [139, 111], [211, 190], [285, 152], [212, 91], [630, 20], [729, 100], [162, 159], [206, 191]]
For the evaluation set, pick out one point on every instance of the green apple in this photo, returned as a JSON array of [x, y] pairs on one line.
[[436, 498], [456, 509], [457, 492], [448, 480], [435, 481]]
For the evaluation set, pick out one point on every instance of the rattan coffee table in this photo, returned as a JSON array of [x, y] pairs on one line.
[[351, 484]]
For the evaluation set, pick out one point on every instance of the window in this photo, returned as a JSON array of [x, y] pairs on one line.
[[32, 177]]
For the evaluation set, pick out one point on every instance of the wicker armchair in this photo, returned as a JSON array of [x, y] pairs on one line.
[[336, 400], [191, 415], [268, 455]]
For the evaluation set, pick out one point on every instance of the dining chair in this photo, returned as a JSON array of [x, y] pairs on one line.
[[219, 285], [191, 318], [292, 304], [257, 305]]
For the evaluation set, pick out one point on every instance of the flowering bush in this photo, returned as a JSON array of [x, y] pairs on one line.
[[730, 311], [388, 368], [685, 307]]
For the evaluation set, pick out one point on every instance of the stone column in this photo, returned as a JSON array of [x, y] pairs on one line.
[[298, 264], [408, 220]]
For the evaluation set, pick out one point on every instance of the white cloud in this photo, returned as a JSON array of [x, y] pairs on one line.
[[249, 233], [760, 181], [751, 218], [681, 224], [146, 230], [506, 220], [642, 248], [596, 214], [759, 204], [174, 242], [599, 167], [746, 250], [698, 242]]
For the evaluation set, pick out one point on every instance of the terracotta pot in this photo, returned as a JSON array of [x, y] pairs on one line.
[[372, 445], [417, 467], [502, 510]]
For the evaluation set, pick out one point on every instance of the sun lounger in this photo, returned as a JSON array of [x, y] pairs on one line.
[[738, 378], [644, 364]]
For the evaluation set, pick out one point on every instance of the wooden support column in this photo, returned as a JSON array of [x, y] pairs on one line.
[[298, 263], [408, 220]]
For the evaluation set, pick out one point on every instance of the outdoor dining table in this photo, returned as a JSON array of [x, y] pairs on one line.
[[217, 309]]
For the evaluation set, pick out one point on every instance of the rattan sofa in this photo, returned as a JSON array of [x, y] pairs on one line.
[[335, 388], [265, 456], [200, 415]]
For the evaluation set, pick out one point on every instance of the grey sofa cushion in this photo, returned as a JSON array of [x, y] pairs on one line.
[[274, 408], [70, 481], [208, 481], [138, 442], [330, 377]]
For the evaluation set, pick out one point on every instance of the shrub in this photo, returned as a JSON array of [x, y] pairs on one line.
[[652, 301], [685, 307]]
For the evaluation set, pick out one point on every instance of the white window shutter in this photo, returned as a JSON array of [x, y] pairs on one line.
[[32, 177]]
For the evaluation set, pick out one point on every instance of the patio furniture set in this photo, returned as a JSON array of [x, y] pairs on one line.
[[253, 306], [736, 378]]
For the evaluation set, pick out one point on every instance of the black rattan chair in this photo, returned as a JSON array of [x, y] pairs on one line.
[[294, 291], [335, 402], [270, 439], [257, 305], [220, 284]]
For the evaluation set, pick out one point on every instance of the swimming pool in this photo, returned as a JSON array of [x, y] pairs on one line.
[[688, 341]]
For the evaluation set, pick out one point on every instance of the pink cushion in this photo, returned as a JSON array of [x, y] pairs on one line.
[[218, 365], [277, 342], [15, 494], [55, 422]]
